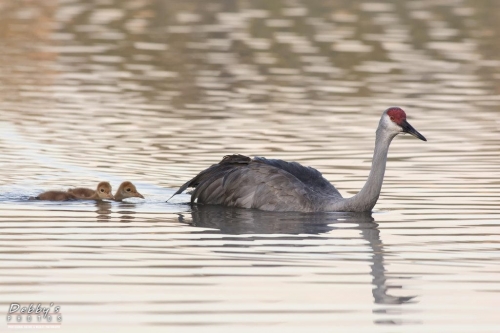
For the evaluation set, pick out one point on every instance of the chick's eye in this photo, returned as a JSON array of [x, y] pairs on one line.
[[102, 190], [128, 189]]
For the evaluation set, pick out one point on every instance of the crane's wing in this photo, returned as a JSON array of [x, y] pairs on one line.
[[257, 186], [311, 177], [229, 162], [238, 181]]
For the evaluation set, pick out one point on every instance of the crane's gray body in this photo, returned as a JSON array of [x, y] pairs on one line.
[[273, 185], [276, 185]]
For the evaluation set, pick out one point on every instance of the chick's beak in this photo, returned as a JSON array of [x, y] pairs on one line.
[[407, 128], [137, 194], [111, 196]]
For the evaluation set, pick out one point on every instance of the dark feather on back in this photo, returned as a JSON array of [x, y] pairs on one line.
[[307, 175], [239, 181]]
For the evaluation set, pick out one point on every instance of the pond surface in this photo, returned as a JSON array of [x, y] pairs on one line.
[[153, 91]]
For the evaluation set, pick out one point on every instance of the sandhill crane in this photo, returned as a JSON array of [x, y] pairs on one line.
[[276, 185]]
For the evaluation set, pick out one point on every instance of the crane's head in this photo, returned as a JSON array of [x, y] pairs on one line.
[[394, 120], [104, 190], [128, 190]]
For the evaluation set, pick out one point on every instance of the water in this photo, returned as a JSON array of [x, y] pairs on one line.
[[155, 91]]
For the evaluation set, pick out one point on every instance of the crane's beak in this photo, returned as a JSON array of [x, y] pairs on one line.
[[407, 128]]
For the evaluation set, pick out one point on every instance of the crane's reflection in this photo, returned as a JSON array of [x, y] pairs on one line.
[[126, 211], [247, 221], [103, 210]]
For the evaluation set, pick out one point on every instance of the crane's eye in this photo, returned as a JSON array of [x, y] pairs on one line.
[[128, 189], [102, 190], [392, 118]]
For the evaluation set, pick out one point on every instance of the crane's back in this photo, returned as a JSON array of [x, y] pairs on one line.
[[273, 185]]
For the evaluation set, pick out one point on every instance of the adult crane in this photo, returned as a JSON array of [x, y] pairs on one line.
[[276, 185]]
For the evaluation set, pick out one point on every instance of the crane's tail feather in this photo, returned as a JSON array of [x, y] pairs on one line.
[[211, 173]]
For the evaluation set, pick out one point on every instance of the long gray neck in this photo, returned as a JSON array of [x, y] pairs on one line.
[[366, 199]]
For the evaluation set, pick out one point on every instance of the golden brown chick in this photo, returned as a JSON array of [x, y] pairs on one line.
[[55, 196], [103, 191], [127, 190]]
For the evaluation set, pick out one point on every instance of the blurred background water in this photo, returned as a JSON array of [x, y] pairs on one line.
[[153, 91]]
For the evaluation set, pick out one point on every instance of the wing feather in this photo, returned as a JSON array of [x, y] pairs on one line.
[[274, 185], [308, 175]]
